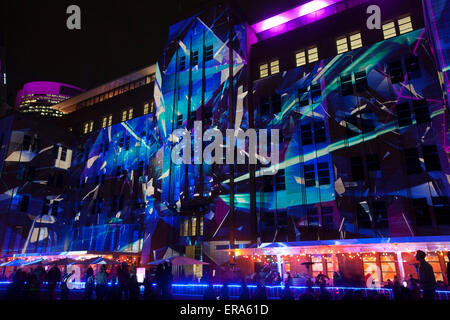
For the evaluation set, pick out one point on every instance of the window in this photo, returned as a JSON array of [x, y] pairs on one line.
[[405, 25], [380, 214], [357, 168], [327, 218], [127, 114], [431, 157], [194, 227], [395, 71], [313, 55], [194, 58], [403, 115], [63, 154], [147, 109], [361, 80], [316, 91], [441, 210], [107, 121], [312, 215], [300, 58], [88, 127], [280, 181], [320, 132], [303, 97], [363, 216], [179, 120], [388, 266], [324, 174], [355, 41], [310, 176], [421, 111], [347, 85], [276, 103], [413, 67], [209, 55], [421, 212], [373, 163], [264, 70], [342, 45], [306, 133], [24, 203], [182, 64], [389, 30], [412, 161], [275, 67]]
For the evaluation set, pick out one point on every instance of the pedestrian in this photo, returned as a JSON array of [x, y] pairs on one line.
[[224, 294], [210, 294], [245, 293], [90, 284], [260, 293], [287, 294], [134, 288], [123, 276], [102, 283], [426, 277], [53, 277]]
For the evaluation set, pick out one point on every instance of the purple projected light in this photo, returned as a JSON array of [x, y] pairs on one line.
[[292, 14]]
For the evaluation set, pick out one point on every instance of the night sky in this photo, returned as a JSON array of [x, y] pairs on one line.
[[117, 37]]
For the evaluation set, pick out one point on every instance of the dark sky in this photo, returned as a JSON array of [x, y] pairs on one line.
[[117, 37]]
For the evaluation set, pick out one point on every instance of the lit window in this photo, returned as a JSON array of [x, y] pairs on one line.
[[355, 41], [127, 114], [107, 121], [342, 45], [275, 67], [389, 30], [405, 25], [209, 54], [124, 116], [313, 55], [88, 127], [300, 58], [194, 227], [263, 70], [146, 108]]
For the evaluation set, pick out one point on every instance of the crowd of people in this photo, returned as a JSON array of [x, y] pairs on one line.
[[121, 282]]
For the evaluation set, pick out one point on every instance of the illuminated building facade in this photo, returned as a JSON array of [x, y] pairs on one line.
[[363, 176], [38, 98]]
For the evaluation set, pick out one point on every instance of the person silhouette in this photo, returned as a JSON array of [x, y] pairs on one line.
[[426, 277]]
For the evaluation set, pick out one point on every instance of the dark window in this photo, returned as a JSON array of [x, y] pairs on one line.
[[373, 162], [268, 183], [209, 55], [46, 207], [64, 154], [303, 97], [431, 157], [280, 180], [364, 221], [307, 138], [24, 203], [380, 214], [276, 103], [316, 91], [55, 151], [60, 180], [324, 174], [441, 210], [395, 71], [182, 64], [31, 172], [55, 206], [313, 217], [26, 143], [327, 218], [361, 80], [357, 169], [412, 161], [421, 212], [179, 120], [413, 67], [194, 58], [282, 219], [320, 133], [127, 143], [404, 115], [310, 176], [422, 111], [346, 85]]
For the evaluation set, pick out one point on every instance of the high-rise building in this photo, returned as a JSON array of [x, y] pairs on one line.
[[38, 98], [362, 177]]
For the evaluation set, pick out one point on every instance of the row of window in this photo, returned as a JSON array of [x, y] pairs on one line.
[[209, 55], [192, 227], [344, 44], [107, 121], [117, 91]]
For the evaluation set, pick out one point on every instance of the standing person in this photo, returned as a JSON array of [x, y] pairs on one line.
[[53, 277], [64, 285], [134, 288], [160, 280], [148, 286], [90, 284], [289, 281], [426, 277], [245, 293], [102, 283], [166, 280], [123, 278], [209, 294], [224, 294], [448, 270]]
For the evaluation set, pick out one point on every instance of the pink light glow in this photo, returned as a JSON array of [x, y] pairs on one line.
[[292, 14]]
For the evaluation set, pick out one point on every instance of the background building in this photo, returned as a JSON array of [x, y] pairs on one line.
[[38, 98]]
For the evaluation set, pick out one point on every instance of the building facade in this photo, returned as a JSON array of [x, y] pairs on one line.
[[362, 180], [38, 98]]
